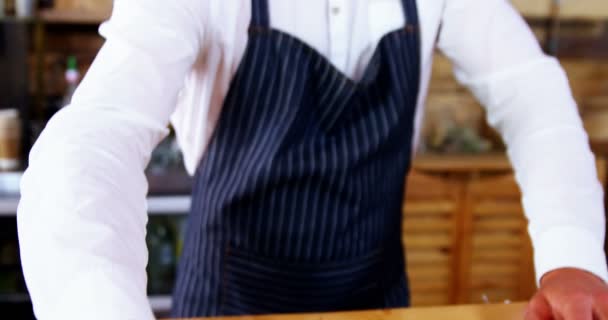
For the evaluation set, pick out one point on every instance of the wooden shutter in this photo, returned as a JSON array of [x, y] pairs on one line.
[[429, 236]]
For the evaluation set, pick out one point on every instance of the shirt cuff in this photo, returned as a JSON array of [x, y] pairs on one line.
[[101, 294], [569, 247]]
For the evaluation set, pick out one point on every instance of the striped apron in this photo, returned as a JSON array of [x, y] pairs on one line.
[[296, 204]]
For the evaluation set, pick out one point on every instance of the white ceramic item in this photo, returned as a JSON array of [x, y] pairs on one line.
[[24, 8]]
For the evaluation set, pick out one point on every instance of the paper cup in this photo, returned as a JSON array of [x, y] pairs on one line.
[[24, 8], [10, 139]]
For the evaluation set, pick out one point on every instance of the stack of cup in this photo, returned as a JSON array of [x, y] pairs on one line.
[[10, 140], [24, 8]]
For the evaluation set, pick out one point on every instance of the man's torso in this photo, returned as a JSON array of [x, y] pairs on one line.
[[345, 32]]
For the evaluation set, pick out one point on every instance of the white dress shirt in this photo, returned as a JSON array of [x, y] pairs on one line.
[[82, 214]]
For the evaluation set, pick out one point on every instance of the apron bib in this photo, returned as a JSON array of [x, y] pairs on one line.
[[297, 202]]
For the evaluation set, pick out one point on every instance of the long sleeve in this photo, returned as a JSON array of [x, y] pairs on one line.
[[82, 214], [528, 100]]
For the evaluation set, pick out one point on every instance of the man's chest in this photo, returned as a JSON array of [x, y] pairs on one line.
[[344, 31]]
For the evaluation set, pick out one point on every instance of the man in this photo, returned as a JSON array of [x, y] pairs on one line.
[[302, 115]]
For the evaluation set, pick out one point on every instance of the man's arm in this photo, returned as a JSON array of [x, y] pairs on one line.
[[82, 213], [528, 99]]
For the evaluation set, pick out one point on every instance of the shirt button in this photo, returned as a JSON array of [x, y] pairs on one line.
[[335, 11]]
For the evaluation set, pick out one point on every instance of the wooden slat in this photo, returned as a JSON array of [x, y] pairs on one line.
[[509, 224], [494, 282], [427, 257], [490, 208], [489, 270], [424, 208], [427, 241], [496, 186], [497, 255], [414, 225], [428, 286], [495, 240], [424, 186], [426, 272]]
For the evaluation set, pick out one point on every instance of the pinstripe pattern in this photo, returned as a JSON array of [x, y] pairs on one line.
[[297, 202]]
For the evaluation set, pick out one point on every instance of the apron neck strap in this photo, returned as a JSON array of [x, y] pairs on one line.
[[411, 12], [260, 15]]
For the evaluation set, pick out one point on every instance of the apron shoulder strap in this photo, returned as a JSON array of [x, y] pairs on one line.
[[411, 13], [260, 15]]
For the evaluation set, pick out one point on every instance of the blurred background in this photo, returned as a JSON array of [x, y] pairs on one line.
[[465, 232]]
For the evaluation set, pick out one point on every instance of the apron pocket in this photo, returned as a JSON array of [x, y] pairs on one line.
[[258, 285]]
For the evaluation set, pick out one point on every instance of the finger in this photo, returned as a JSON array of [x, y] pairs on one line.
[[538, 309], [600, 307], [533, 315], [577, 309]]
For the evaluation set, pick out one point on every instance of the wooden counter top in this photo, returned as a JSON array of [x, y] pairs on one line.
[[513, 311]]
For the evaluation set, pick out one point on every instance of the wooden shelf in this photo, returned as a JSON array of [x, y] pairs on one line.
[[579, 9], [461, 163], [157, 205], [8, 19], [53, 16], [14, 298]]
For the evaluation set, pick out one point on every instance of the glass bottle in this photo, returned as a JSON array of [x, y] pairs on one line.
[[72, 76], [161, 262]]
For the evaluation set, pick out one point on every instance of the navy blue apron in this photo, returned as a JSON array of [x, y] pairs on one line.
[[297, 202]]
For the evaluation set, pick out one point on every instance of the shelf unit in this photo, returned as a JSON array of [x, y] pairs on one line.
[[157, 204], [579, 9], [16, 19], [8, 206], [158, 303], [54, 16], [166, 205]]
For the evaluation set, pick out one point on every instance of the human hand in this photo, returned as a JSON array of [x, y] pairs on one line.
[[569, 294]]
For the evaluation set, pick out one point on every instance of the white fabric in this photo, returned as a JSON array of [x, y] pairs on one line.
[[82, 214]]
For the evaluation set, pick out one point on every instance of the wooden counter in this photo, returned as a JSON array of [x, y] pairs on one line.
[[468, 312]]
